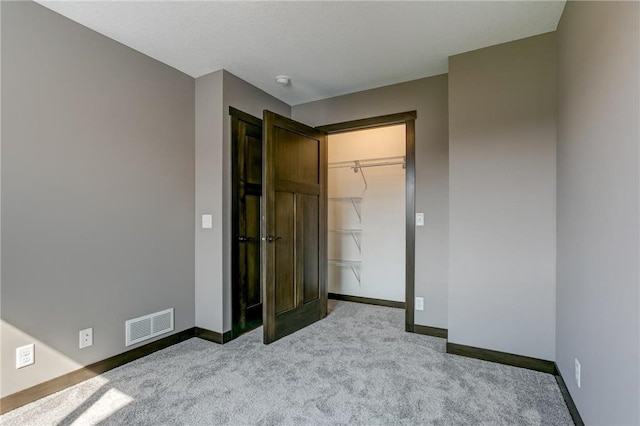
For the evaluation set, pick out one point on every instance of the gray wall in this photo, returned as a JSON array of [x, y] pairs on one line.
[[428, 97], [97, 192], [598, 216], [215, 92], [502, 173]]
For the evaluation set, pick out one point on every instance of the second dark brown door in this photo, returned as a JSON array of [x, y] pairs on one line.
[[246, 201]]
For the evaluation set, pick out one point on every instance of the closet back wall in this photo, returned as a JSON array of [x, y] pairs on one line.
[[377, 269]]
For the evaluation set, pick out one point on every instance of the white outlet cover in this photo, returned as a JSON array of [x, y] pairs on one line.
[[419, 303], [207, 221], [25, 355], [577, 373], [419, 219], [86, 338]]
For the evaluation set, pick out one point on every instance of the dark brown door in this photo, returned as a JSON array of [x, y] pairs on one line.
[[246, 177], [294, 226]]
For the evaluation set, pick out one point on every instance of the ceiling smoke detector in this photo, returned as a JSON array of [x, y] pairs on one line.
[[283, 79]]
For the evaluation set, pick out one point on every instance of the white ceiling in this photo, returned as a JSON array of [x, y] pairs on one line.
[[328, 48]]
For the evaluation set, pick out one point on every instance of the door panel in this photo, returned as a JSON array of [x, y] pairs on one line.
[[296, 157], [284, 252], [252, 251], [294, 226], [308, 230], [253, 146]]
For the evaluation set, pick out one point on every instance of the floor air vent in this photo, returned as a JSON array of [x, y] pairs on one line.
[[148, 326]]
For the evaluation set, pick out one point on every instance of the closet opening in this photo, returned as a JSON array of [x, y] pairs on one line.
[[366, 215]]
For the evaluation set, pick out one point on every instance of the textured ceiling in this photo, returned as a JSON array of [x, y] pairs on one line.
[[327, 48]]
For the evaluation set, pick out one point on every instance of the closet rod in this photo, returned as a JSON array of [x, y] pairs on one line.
[[370, 162]]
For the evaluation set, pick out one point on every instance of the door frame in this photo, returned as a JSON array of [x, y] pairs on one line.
[[408, 119], [236, 115]]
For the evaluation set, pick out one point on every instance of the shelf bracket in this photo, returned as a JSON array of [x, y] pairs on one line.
[[356, 274], [358, 168], [356, 240], [353, 265], [356, 207]]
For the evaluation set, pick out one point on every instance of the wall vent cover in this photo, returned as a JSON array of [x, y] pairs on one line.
[[148, 326]]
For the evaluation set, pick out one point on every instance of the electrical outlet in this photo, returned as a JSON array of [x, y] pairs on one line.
[[577, 373], [25, 355], [419, 219], [86, 337], [419, 303]]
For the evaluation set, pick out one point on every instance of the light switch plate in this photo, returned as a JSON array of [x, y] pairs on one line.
[[207, 221], [419, 219]]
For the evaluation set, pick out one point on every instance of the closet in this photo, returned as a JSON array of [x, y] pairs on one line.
[[366, 214]]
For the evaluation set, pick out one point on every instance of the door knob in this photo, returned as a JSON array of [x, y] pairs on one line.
[[244, 239], [271, 238]]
